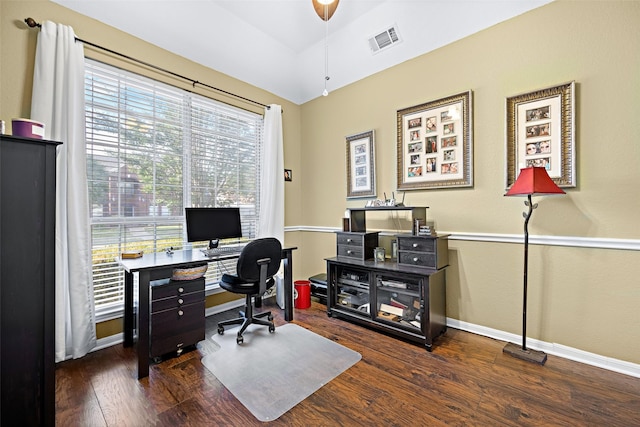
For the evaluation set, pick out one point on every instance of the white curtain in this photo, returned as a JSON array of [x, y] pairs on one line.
[[58, 102], [271, 223]]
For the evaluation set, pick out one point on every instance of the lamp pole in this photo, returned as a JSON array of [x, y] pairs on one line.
[[527, 216], [523, 352]]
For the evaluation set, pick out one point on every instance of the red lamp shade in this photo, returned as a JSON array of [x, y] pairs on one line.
[[532, 181]]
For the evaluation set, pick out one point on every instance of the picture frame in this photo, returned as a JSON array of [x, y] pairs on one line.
[[435, 144], [361, 167], [288, 175], [540, 132]]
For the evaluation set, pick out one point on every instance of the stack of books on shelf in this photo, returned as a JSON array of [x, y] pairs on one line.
[[398, 311], [398, 304], [423, 228], [390, 312], [426, 230]]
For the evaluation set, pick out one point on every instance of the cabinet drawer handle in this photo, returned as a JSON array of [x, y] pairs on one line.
[[180, 289], [349, 252], [180, 312], [180, 301], [415, 259], [415, 245], [349, 240]]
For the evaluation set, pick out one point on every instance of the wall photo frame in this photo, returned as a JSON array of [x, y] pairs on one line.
[[540, 132], [435, 144], [361, 166]]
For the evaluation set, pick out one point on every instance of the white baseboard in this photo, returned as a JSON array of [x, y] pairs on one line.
[[224, 307], [611, 364], [615, 365]]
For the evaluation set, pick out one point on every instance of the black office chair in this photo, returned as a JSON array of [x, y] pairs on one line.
[[257, 264]]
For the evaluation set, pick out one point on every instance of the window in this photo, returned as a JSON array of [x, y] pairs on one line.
[[153, 149]]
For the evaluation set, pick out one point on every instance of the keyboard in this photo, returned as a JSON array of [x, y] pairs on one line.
[[224, 250]]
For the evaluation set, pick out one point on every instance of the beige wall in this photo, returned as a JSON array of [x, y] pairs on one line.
[[581, 297], [585, 298]]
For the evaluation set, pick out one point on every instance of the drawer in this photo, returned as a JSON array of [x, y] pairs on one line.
[[356, 245], [177, 288], [169, 343], [356, 252], [174, 302], [353, 239], [175, 321], [420, 259], [416, 244]]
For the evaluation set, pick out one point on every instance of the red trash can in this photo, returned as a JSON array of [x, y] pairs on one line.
[[302, 294]]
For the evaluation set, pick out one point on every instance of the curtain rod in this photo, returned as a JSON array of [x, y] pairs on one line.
[[32, 24]]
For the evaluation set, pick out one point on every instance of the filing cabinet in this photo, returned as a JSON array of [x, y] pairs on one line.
[[177, 316]]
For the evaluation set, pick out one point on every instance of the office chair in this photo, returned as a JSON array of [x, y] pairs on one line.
[[257, 264]]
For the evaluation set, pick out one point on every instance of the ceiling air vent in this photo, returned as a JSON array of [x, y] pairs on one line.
[[385, 39]]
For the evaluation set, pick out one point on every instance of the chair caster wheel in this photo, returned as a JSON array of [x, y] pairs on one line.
[[239, 339], [270, 318], [272, 328], [220, 330]]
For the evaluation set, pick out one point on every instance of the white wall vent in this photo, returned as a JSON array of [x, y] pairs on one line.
[[385, 39]]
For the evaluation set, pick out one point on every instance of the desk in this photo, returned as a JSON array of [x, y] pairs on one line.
[[160, 265]]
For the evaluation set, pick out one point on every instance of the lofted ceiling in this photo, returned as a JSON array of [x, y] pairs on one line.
[[279, 45]]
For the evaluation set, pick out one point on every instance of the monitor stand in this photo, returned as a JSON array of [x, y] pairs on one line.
[[213, 244]]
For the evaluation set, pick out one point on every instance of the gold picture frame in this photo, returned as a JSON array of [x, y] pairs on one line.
[[540, 132], [361, 166], [435, 144]]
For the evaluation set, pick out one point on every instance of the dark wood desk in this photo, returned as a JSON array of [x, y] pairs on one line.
[[160, 265]]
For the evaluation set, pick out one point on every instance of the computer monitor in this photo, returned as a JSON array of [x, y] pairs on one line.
[[212, 224]]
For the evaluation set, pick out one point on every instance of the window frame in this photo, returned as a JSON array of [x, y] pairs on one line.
[[247, 134]]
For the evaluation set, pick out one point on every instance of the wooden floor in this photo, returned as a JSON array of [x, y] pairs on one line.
[[466, 380]]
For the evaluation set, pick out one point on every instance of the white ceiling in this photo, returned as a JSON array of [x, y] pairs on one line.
[[279, 45]]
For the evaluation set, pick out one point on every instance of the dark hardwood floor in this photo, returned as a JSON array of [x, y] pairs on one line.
[[466, 380]]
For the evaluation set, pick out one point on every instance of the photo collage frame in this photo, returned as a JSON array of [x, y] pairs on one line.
[[435, 144], [540, 132]]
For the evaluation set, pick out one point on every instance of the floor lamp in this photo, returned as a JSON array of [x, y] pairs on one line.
[[532, 181]]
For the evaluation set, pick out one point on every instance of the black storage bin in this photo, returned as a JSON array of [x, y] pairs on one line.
[[319, 287]]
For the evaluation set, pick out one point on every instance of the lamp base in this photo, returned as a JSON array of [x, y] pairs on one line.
[[529, 355]]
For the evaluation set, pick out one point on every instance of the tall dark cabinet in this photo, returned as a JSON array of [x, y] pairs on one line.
[[27, 246]]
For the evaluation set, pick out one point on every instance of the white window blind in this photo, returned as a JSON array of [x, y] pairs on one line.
[[153, 149]]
